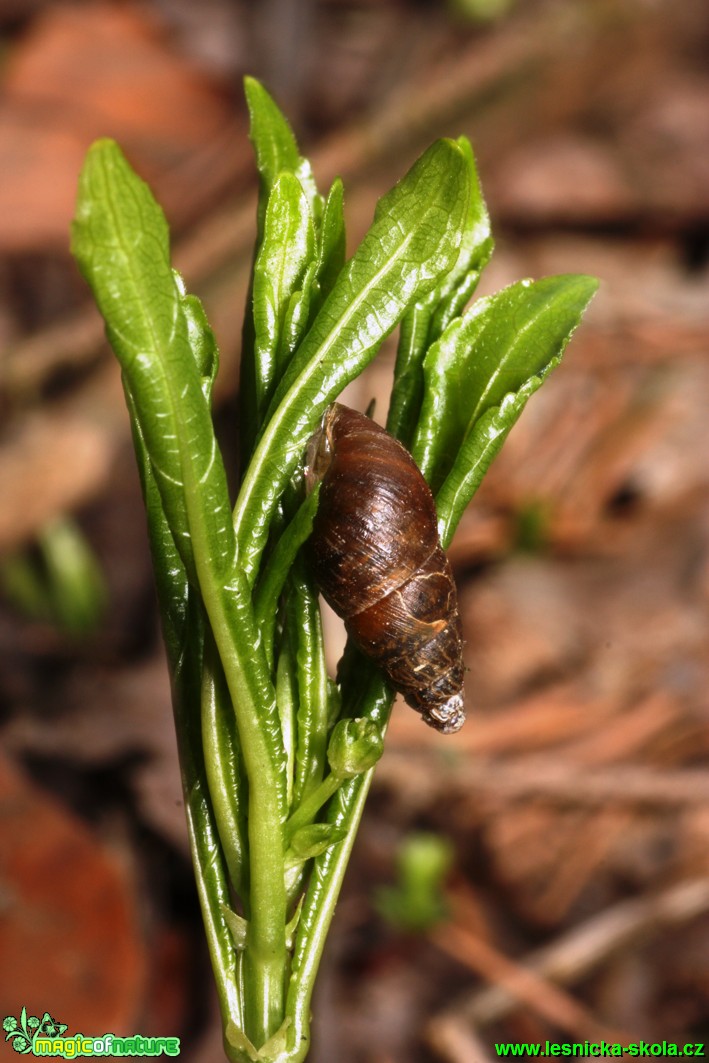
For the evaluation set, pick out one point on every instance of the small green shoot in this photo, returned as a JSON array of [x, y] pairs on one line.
[[416, 903], [58, 580]]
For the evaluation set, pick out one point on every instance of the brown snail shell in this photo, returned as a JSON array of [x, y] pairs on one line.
[[378, 561]]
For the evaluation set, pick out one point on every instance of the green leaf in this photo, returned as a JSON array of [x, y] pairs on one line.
[[286, 251], [201, 338], [287, 701], [297, 316], [274, 1050], [477, 452], [546, 322], [477, 244], [311, 841], [172, 584], [121, 243], [332, 241], [428, 318], [242, 1048], [224, 769], [276, 153], [280, 563], [355, 747], [410, 246], [238, 926], [344, 812], [276, 149], [504, 341], [293, 924], [312, 716]]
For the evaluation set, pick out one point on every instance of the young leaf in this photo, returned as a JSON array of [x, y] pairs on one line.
[[287, 701], [276, 149], [477, 452], [502, 342], [238, 926], [172, 584], [427, 319], [121, 242], [497, 356], [296, 317], [312, 718], [355, 746], [405, 253], [311, 841], [225, 774], [201, 338], [276, 153], [280, 562], [286, 251], [331, 244]]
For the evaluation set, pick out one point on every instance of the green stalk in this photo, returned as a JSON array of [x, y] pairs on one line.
[[323, 894], [183, 627], [222, 762], [306, 812], [326, 882], [265, 958]]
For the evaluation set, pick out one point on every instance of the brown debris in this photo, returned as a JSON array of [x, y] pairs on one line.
[[83, 72], [576, 953], [67, 905]]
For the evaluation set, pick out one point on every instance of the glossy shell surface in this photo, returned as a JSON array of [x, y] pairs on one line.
[[378, 561]]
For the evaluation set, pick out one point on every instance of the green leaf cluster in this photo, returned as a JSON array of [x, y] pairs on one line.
[[276, 758]]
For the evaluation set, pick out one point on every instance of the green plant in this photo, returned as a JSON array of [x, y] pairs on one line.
[[276, 759], [57, 580], [416, 902]]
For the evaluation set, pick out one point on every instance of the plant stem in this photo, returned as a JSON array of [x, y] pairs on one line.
[[312, 804], [265, 958], [205, 855], [327, 876], [322, 899], [223, 770]]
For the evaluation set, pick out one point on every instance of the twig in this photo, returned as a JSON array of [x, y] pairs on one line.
[[456, 1042], [543, 777], [518, 982], [575, 954]]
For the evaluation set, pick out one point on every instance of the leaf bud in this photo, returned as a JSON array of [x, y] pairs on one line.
[[355, 746]]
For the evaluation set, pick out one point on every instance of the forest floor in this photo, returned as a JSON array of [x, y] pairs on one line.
[[576, 798]]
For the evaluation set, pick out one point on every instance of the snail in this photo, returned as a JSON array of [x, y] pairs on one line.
[[377, 559]]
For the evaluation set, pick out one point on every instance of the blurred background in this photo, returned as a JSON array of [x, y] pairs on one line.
[[544, 874]]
